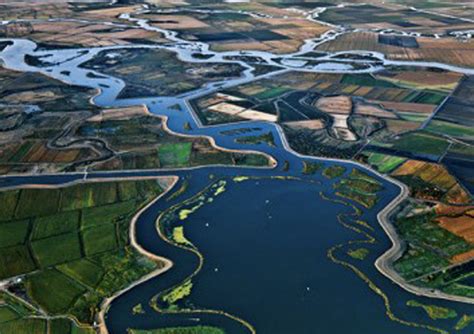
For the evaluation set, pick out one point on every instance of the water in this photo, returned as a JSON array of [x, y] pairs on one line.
[[273, 273]]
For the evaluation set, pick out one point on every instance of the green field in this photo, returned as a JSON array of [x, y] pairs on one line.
[[99, 239], [8, 200], [54, 291], [7, 314], [88, 195], [367, 80], [13, 233], [452, 129], [174, 155], [74, 251], [24, 326], [83, 271], [14, 261], [429, 248], [60, 326], [52, 225], [384, 163], [421, 142], [99, 215], [28, 205], [58, 249]]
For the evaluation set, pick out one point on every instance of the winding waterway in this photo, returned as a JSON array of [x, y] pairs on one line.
[[264, 241]]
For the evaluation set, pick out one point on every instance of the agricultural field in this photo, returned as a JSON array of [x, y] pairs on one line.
[[282, 32], [313, 72], [143, 143], [33, 115], [337, 114], [429, 246], [79, 34], [439, 247], [75, 32], [41, 131], [386, 16], [156, 72], [429, 181], [448, 50], [459, 110], [44, 11], [18, 317], [87, 259]]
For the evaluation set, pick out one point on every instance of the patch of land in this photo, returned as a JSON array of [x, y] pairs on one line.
[[446, 50], [381, 15], [158, 72], [229, 31], [78, 242], [48, 126]]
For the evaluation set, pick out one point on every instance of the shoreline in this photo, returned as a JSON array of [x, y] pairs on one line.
[[171, 180], [384, 261]]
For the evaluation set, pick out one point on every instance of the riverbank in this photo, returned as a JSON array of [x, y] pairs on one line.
[[166, 263]]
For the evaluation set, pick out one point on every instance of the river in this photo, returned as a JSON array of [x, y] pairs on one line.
[[265, 240]]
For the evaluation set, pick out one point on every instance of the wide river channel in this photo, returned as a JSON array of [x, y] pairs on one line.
[[264, 240]]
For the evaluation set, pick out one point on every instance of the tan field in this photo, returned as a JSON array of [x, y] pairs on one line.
[[335, 105], [314, 124], [450, 210], [462, 226], [299, 29], [408, 107], [446, 50], [428, 78], [370, 110], [463, 257], [437, 175], [175, 22], [89, 35], [119, 114]]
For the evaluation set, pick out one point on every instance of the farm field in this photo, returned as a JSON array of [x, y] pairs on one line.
[[447, 50], [280, 32], [431, 181], [61, 136], [143, 143], [155, 72], [87, 260], [385, 16], [336, 114], [450, 245]]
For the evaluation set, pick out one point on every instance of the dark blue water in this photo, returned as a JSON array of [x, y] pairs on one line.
[[265, 246]]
